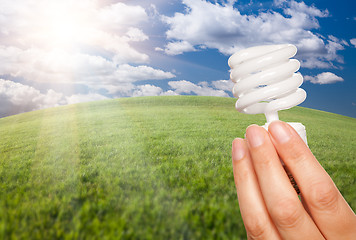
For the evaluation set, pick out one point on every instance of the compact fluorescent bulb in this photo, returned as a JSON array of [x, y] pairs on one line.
[[266, 81]]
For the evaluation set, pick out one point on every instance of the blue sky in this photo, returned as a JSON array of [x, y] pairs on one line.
[[62, 52]]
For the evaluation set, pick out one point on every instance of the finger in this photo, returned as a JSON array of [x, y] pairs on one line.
[[282, 202], [331, 213], [253, 210]]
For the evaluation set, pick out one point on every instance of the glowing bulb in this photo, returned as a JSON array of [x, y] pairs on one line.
[[266, 81]]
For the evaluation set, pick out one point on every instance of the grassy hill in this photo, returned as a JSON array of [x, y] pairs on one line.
[[142, 168]]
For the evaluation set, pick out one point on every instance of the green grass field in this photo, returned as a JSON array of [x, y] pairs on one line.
[[142, 168]]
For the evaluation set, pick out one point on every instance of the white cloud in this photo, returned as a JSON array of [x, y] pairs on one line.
[[147, 90], [179, 47], [279, 2], [187, 87], [225, 85], [56, 66], [136, 35], [324, 78], [79, 98], [117, 90], [169, 93], [128, 73], [120, 83], [223, 27], [306, 11], [118, 15], [158, 49], [353, 42], [18, 98]]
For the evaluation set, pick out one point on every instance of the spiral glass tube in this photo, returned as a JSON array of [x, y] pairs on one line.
[[266, 80]]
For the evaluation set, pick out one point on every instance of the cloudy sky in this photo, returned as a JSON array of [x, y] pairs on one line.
[[68, 51]]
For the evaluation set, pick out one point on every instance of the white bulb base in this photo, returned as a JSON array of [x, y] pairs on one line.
[[298, 127]]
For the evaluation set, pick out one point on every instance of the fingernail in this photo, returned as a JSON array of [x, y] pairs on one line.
[[238, 149], [255, 136], [279, 132]]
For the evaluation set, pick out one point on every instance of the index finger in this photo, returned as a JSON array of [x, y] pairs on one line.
[[331, 213]]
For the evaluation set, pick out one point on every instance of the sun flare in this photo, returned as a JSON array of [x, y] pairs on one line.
[[62, 25]]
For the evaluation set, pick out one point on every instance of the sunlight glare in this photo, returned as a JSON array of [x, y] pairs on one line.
[[63, 24]]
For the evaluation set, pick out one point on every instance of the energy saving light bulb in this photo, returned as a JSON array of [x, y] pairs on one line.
[[266, 81]]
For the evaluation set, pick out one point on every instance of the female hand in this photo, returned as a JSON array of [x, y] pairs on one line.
[[269, 205]]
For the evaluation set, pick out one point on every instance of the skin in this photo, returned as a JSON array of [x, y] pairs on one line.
[[269, 205]]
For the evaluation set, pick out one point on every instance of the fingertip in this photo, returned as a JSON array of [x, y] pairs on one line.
[[236, 140], [274, 123], [252, 126], [255, 135], [238, 149], [237, 143], [280, 131]]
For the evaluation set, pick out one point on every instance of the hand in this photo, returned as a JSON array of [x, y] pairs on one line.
[[269, 205]]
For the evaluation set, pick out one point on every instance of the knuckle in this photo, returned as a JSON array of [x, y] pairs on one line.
[[243, 175], [255, 226], [264, 162], [295, 154], [286, 213], [324, 196]]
